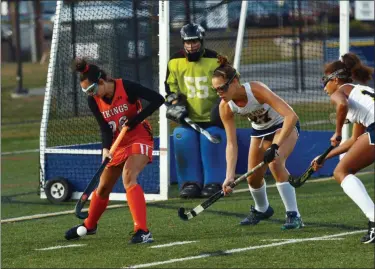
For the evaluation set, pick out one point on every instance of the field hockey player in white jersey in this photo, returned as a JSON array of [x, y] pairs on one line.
[[356, 104], [274, 134]]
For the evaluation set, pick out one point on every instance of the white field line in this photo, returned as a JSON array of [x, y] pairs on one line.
[[60, 213], [322, 239], [45, 215], [323, 179], [19, 152], [237, 250], [58, 247], [173, 244], [314, 122]]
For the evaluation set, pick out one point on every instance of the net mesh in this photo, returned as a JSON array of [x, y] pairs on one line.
[[285, 45], [105, 33], [121, 37]]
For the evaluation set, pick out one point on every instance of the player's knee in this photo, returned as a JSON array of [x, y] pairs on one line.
[[129, 178], [103, 191], [339, 174], [255, 181]]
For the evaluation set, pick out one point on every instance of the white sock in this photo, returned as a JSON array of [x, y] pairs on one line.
[[354, 188], [288, 195], [260, 198]]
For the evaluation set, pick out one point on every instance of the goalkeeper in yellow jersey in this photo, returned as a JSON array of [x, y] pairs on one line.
[[200, 164]]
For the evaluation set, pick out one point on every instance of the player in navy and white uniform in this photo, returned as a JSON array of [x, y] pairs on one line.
[[356, 104], [274, 134]]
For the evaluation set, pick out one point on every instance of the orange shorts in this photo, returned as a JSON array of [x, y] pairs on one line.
[[121, 154]]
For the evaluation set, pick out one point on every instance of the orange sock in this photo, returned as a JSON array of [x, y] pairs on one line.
[[137, 205], [96, 209]]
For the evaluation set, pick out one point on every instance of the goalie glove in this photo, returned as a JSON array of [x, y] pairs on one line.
[[170, 98], [177, 113]]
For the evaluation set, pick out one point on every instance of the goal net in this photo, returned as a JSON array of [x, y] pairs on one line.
[[123, 40]]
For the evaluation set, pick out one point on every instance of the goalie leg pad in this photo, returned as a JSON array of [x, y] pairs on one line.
[[213, 156], [187, 156]]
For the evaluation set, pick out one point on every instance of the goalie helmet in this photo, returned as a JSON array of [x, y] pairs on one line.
[[193, 31]]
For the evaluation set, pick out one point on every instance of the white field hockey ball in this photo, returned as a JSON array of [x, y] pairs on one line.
[[81, 231]]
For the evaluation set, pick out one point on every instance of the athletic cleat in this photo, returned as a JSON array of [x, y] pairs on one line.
[[292, 221], [141, 236], [76, 232], [256, 216], [369, 237], [210, 189], [190, 191]]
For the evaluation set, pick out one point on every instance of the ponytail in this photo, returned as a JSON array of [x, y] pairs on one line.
[[354, 66]]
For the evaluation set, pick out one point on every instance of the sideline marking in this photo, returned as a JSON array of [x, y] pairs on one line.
[[173, 244], [323, 179], [19, 152], [45, 215], [322, 239], [60, 213], [236, 250], [58, 247]]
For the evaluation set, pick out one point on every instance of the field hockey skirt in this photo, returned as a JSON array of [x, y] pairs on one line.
[[370, 131], [269, 133]]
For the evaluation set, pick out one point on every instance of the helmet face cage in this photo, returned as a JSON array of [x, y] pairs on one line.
[[336, 74], [192, 31]]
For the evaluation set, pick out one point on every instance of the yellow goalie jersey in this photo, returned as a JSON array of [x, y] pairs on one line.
[[193, 79]]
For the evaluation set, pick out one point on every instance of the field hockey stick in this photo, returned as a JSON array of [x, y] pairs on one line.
[[196, 127], [296, 183], [211, 200], [332, 119], [95, 179]]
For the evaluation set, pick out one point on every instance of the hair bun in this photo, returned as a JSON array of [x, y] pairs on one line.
[[222, 60], [81, 65]]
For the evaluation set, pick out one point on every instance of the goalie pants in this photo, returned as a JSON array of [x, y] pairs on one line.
[[197, 159]]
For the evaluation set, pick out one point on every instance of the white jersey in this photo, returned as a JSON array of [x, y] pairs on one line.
[[361, 105], [262, 116]]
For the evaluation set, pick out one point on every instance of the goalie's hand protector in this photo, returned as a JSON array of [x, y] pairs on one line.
[[170, 98], [271, 153], [177, 113]]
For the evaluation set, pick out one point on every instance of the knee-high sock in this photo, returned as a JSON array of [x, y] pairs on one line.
[[355, 189], [288, 195], [96, 209], [137, 206], [260, 198]]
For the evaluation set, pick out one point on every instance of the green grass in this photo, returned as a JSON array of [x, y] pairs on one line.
[[20, 118], [22, 109], [325, 208]]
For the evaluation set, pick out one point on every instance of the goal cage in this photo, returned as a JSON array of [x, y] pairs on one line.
[[134, 40], [128, 39]]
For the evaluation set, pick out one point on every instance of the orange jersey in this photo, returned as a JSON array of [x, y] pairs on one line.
[[121, 110]]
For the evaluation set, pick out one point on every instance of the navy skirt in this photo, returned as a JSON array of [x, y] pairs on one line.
[[370, 130], [269, 133]]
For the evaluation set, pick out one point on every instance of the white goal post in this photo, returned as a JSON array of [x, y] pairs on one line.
[[70, 159]]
